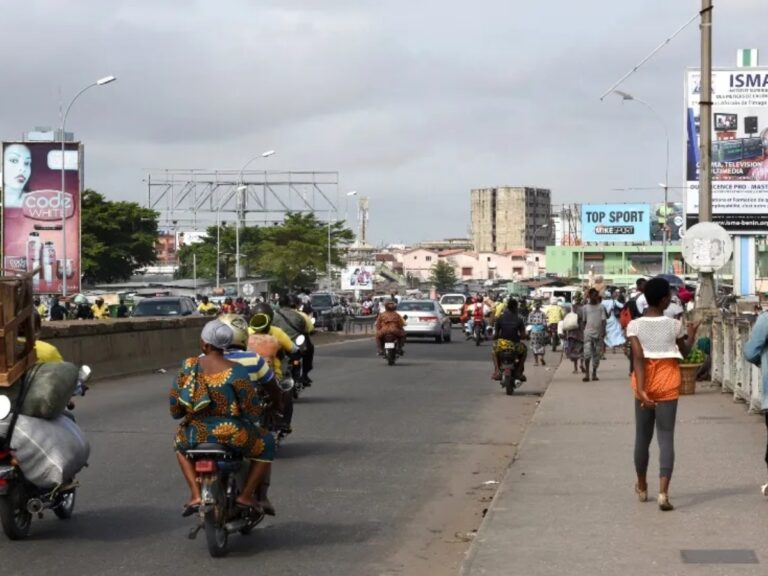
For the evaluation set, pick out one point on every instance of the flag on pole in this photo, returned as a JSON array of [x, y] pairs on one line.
[[747, 58]]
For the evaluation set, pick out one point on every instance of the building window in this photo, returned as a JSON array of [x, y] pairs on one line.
[[489, 258], [466, 271], [429, 258]]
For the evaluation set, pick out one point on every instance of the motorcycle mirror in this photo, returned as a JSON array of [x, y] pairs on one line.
[[5, 407], [85, 373], [300, 339], [312, 319], [405, 316]]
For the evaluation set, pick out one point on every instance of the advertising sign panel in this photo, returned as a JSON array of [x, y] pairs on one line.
[[739, 146], [358, 278], [32, 213], [671, 214], [616, 222]]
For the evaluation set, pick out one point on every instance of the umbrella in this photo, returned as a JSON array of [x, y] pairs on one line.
[[672, 279]]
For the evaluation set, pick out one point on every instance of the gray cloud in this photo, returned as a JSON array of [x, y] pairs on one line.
[[413, 102]]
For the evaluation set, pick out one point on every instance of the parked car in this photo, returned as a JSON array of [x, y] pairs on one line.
[[165, 306], [328, 311], [426, 318], [452, 304]]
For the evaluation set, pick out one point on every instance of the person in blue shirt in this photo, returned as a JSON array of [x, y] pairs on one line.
[[756, 352]]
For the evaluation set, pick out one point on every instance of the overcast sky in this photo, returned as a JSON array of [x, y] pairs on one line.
[[414, 102]]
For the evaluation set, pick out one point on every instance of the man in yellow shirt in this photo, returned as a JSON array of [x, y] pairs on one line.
[[206, 308], [554, 316], [100, 310]]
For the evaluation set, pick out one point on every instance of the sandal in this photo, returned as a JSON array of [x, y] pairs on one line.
[[664, 504], [249, 509], [642, 495], [190, 509]]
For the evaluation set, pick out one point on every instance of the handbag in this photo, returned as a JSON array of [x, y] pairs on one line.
[[193, 392]]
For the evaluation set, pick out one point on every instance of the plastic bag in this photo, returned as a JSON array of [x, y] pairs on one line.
[[51, 387], [570, 322], [49, 452]]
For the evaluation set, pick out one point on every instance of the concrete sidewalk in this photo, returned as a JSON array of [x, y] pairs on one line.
[[567, 504]]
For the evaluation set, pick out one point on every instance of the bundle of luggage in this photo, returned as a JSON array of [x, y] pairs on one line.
[[49, 447]]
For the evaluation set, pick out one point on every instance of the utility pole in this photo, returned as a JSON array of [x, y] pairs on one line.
[[706, 296]]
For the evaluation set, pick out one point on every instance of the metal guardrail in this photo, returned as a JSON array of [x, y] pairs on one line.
[[360, 324], [729, 368]]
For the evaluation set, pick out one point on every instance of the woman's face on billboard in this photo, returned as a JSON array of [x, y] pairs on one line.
[[17, 166]]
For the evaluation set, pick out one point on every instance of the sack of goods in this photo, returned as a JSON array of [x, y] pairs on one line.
[[51, 386], [49, 452], [570, 322]]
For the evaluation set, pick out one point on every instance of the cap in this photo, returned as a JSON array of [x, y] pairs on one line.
[[217, 334]]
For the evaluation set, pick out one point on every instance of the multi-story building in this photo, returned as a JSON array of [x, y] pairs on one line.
[[511, 218]]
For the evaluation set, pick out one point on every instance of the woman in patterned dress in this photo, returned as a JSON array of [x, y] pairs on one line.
[[217, 404], [537, 320]]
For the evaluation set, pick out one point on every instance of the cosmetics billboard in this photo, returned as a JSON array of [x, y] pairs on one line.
[[32, 213], [739, 149]]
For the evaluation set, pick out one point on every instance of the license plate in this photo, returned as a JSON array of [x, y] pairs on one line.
[[389, 346]]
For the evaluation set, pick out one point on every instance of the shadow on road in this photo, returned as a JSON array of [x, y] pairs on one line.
[[295, 535], [117, 524], [300, 449]]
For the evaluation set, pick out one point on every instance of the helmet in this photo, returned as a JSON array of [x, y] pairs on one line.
[[239, 329], [262, 318]]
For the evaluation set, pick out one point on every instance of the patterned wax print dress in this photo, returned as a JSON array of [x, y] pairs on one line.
[[538, 322], [228, 407]]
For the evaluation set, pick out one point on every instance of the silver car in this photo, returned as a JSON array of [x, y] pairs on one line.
[[425, 318]]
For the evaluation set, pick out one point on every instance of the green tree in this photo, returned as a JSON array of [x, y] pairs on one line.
[[443, 276], [294, 253], [118, 238]]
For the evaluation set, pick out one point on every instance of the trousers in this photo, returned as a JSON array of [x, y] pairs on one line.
[[662, 417]]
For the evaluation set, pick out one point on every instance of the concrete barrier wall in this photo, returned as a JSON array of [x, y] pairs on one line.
[[126, 346]]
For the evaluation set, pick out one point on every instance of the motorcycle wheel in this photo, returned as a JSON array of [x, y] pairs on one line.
[[391, 357], [508, 383], [14, 517], [478, 338], [216, 536], [65, 506]]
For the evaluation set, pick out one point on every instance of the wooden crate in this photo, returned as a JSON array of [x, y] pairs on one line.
[[16, 321]]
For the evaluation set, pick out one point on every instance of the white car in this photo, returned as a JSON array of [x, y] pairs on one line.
[[425, 318], [452, 304]]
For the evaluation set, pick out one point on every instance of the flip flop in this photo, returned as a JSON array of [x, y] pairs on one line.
[[190, 509], [249, 509]]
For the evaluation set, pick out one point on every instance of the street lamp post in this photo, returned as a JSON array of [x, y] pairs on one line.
[[346, 205], [241, 189], [628, 97], [62, 196]]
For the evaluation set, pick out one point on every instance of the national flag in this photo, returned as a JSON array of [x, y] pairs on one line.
[[747, 58]]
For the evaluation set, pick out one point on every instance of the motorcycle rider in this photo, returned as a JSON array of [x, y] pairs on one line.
[[262, 378], [389, 323], [478, 315], [509, 332], [295, 323]]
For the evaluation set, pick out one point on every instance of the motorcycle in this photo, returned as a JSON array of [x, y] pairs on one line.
[[391, 349], [20, 500], [511, 365], [479, 332], [220, 473], [291, 385]]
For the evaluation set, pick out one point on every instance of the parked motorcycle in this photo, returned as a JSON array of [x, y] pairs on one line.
[[19, 498], [220, 473], [511, 366]]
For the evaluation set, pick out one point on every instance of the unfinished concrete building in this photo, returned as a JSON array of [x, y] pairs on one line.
[[511, 217]]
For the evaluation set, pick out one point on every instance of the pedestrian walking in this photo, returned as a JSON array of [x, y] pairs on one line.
[[537, 320], [614, 334], [756, 352], [658, 344], [573, 346], [593, 320]]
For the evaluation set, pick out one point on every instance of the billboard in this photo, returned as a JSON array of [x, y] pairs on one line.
[[32, 213], [616, 222], [739, 146], [671, 214], [358, 278]]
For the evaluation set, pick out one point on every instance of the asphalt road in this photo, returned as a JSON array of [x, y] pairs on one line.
[[372, 445]]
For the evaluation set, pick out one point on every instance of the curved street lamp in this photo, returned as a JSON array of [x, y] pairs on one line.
[[99, 82]]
